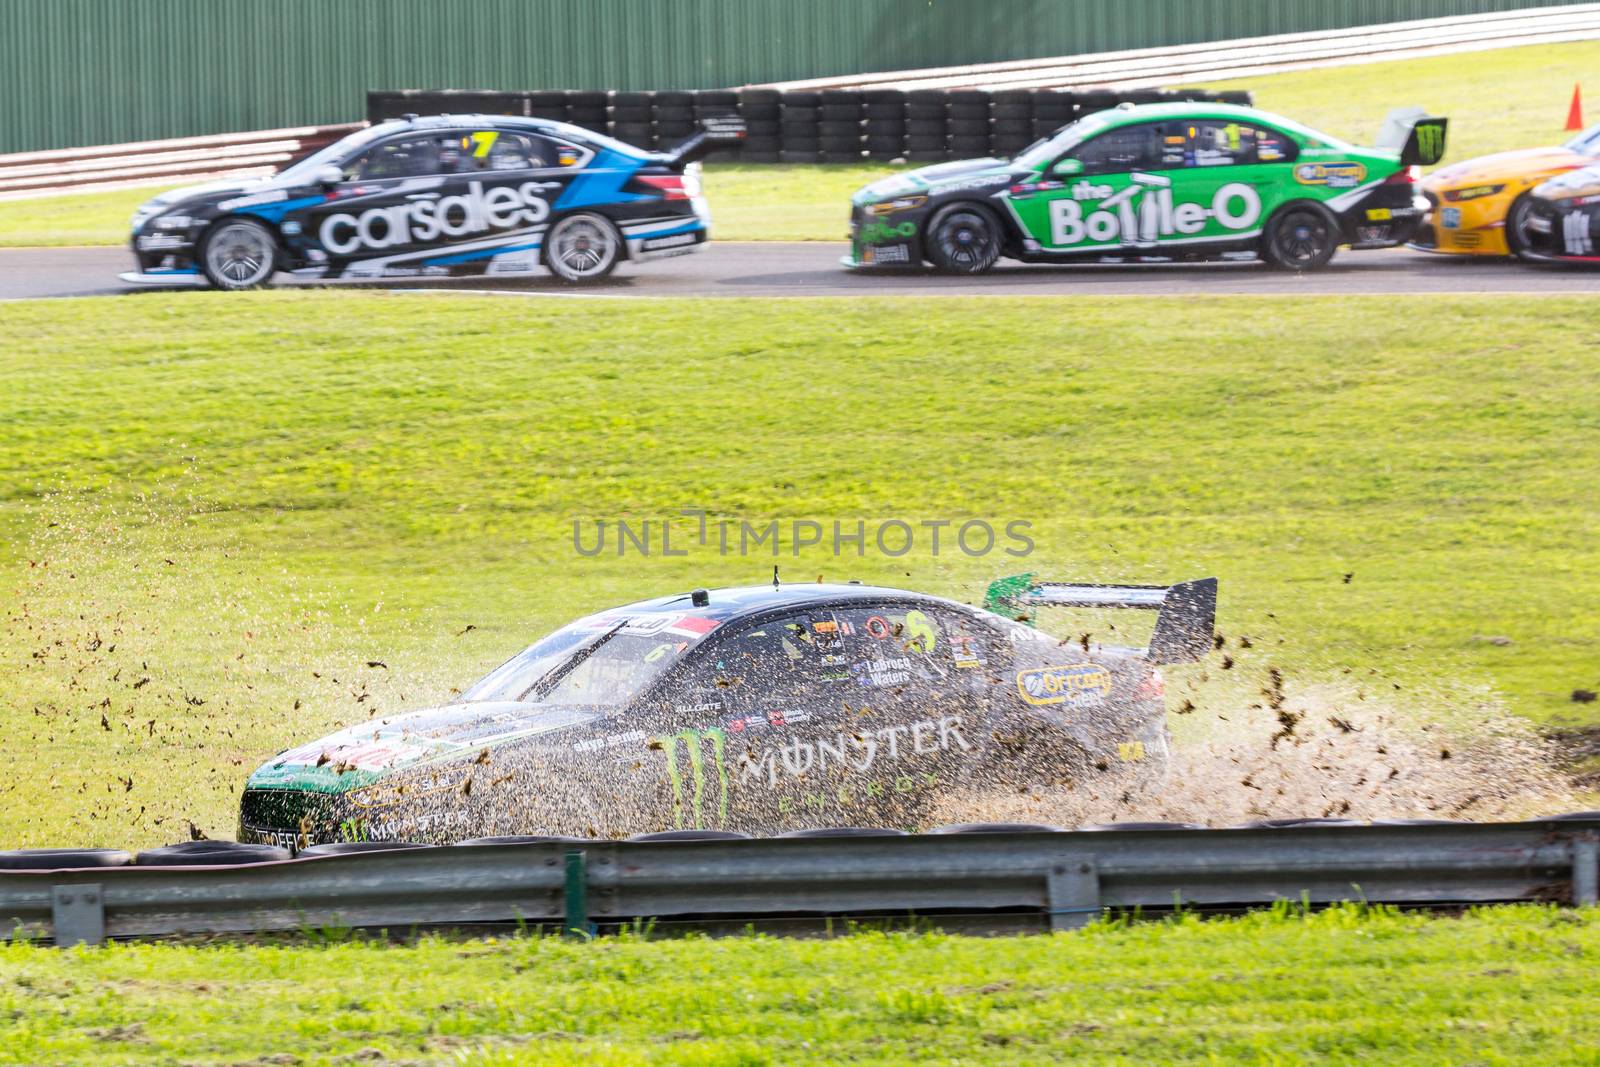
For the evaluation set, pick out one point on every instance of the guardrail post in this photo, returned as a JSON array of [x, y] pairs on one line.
[[77, 915], [577, 896], [1586, 871], [1072, 887]]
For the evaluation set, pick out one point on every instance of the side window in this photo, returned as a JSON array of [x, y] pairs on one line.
[[512, 150], [1217, 142], [1123, 149], [403, 157]]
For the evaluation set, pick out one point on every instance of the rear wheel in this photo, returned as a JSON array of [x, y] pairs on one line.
[[1517, 226], [1300, 237], [963, 239], [239, 254], [582, 248]]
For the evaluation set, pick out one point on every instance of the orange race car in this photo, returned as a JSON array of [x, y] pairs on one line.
[[1476, 208]]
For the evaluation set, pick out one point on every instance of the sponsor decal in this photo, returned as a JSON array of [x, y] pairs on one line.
[[1145, 211], [967, 183], [1430, 142], [852, 795], [251, 201], [881, 673], [966, 651], [1342, 175], [700, 748], [886, 254], [1371, 234], [668, 242], [1379, 214], [601, 744], [1575, 231], [1450, 218], [421, 221], [853, 752], [877, 627], [875, 232], [924, 634], [1076, 683], [1130, 751]]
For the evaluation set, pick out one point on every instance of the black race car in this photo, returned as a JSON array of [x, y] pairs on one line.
[[761, 710], [444, 196], [1562, 220]]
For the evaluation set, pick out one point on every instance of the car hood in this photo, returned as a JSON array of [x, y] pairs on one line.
[[211, 190], [935, 179], [359, 755], [1525, 163], [1573, 185]]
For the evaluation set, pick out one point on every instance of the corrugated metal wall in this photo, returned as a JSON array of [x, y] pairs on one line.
[[76, 72]]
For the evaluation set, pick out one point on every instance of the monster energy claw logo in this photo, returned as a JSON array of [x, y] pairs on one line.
[[694, 747], [1430, 142]]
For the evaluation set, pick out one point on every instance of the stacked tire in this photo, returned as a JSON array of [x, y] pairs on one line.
[[800, 117], [927, 125], [1013, 122], [674, 118], [760, 110], [884, 111], [710, 104], [631, 115], [840, 115], [548, 105], [589, 110], [968, 111], [1051, 111]]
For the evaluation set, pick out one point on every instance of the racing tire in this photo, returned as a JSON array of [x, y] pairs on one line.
[[238, 254], [964, 239], [1516, 219], [582, 248], [997, 828], [846, 831], [62, 859], [351, 848], [1301, 237], [690, 835], [209, 853]]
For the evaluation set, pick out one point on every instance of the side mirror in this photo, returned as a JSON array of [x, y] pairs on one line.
[[329, 174], [1067, 168]]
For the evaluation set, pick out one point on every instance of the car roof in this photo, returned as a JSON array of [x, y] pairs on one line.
[[730, 604], [1200, 109], [514, 122]]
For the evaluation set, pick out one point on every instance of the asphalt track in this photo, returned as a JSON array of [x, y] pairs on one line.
[[770, 269]]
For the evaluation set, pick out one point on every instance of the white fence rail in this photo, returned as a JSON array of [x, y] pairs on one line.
[[1245, 57], [183, 159]]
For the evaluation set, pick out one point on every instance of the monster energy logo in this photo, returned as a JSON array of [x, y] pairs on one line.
[[1430, 142], [694, 746]]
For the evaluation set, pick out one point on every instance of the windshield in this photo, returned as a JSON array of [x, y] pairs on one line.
[[604, 659], [303, 171], [1047, 150], [1586, 143]]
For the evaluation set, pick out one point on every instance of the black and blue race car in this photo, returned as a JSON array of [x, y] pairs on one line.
[[441, 196], [760, 710]]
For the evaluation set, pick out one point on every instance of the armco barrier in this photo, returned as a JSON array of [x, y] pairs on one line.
[[803, 126], [1056, 880]]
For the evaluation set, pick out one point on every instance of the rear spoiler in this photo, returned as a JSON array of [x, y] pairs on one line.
[[714, 132], [1184, 627], [1416, 135]]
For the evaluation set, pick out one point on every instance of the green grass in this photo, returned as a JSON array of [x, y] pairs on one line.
[[1510, 98], [217, 509], [1507, 987]]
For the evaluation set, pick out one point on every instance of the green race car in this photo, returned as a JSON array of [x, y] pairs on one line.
[[1155, 183]]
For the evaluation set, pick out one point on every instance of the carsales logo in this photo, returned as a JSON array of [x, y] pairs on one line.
[[420, 221], [1144, 212]]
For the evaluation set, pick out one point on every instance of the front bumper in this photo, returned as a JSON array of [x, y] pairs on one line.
[[163, 277]]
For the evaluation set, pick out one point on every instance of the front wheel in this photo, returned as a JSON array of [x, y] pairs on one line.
[[239, 254], [1517, 226], [1300, 238], [963, 239], [582, 248]]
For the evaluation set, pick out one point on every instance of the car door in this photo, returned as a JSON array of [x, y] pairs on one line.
[[1093, 195], [1233, 176]]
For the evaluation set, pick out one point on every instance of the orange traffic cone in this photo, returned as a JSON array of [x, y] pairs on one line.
[[1575, 112]]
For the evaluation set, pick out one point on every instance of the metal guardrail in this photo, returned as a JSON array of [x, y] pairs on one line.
[[1244, 57], [102, 167], [1059, 880]]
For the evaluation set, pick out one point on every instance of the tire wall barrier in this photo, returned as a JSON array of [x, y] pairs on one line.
[[827, 126]]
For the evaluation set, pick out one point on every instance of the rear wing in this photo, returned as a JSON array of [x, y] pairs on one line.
[[1184, 627], [715, 132], [1417, 136]]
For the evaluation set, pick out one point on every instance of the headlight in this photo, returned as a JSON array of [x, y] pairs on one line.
[[902, 203], [145, 213], [1472, 192], [173, 222]]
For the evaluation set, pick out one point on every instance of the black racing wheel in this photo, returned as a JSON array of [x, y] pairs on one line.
[[963, 239], [1517, 226], [239, 253], [1300, 237]]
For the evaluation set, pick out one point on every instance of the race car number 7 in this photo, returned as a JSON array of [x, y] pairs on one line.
[[482, 141]]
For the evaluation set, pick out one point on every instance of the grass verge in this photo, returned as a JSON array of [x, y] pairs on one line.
[[1503, 987], [231, 522], [1509, 98]]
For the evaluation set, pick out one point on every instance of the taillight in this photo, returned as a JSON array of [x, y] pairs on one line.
[[1405, 176], [1154, 687], [670, 186]]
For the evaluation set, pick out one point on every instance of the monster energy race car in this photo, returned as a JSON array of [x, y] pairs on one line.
[[442, 196], [761, 710], [1155, 183]]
